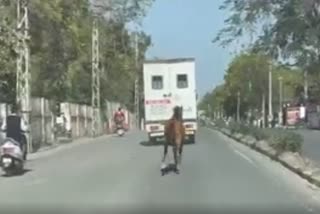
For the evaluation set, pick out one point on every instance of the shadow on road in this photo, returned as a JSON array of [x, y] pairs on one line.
[[160, 143], [148, 143], [24, 171]]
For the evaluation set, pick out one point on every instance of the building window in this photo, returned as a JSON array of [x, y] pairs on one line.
[[157, 82], [182, 81]]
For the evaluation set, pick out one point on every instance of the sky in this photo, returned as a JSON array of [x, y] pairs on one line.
[[185, 28]]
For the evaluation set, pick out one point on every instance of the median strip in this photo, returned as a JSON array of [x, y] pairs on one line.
[[279, 145]]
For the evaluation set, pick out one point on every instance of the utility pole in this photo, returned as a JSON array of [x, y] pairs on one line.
[[23, 75], [305, 84], [270, 96], [209, 111], [263, 108], [238, 106], [95, 102], [280, 100], [136, 83], [250, 107]]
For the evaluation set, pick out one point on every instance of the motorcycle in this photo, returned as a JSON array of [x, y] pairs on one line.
[[120, 130], [11, 157]]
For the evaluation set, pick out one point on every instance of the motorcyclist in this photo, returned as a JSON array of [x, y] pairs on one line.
[[15, 126], [119, 117]]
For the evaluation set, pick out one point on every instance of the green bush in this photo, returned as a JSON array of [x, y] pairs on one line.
[[220, 123], [280, 140], [258, 133], [234, 127]]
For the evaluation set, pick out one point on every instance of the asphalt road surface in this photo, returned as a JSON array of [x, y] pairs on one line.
[[311, 144], [123, 174]]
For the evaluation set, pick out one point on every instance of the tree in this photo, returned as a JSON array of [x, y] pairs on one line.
[[60, 49], [286, 29], [289, 28], [248, 74]]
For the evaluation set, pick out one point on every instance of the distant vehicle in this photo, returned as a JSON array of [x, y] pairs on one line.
[[169, 83]]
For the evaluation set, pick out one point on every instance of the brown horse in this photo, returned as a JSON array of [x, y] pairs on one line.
[[174, 136]]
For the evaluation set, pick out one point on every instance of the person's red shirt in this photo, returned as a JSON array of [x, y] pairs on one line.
[[119, 114]]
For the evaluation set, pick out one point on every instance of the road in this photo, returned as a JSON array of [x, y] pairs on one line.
[[311, 144], [122, 174]]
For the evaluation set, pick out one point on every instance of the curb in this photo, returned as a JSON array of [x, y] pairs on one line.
[[311, 179]]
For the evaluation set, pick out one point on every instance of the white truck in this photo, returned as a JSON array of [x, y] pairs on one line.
[[167, 83]]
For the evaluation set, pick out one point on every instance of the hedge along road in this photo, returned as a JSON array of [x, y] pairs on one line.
[[114, 173]]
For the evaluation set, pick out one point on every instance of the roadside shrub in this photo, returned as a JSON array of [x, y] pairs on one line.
[[220, 123], [259, 134], [282, 140], [244, 129], [234, 127]]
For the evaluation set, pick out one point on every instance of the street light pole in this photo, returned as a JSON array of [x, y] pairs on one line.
[[305, 84], [263, 108], [238, 106], [209, 111], [270, 95], [280, 100]]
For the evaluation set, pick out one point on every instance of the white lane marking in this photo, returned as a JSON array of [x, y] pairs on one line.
[[241, 154], [244, 157]]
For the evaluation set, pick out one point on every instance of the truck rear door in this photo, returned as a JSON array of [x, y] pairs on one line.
[[158, 107], [184, 91]]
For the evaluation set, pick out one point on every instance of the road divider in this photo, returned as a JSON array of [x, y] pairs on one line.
[[293, 161]]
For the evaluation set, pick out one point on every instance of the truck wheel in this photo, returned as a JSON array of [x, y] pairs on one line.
[[192, 139]]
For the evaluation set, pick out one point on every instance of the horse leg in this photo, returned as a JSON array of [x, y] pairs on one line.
[[175, 154], [165, 152], [180, 153]]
